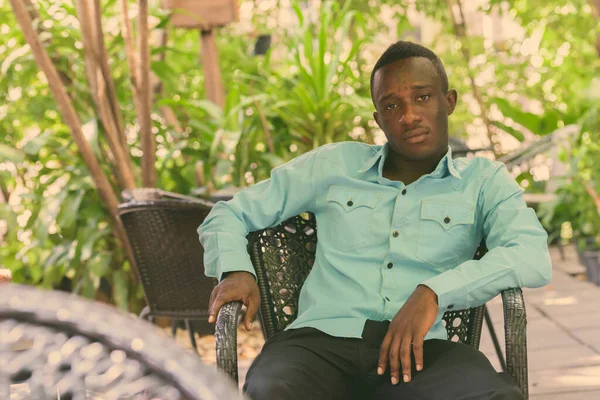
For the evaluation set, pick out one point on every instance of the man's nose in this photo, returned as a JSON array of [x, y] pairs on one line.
[[410, 116]]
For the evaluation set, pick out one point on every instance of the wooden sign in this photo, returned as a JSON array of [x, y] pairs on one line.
[[202, 14]]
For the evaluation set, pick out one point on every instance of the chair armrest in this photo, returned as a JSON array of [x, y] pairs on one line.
[[226, 338], [515, 331]]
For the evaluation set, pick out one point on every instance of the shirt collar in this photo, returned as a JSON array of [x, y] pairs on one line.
[[446, 163]]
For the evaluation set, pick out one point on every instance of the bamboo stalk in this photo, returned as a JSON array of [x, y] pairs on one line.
[[70, 117], [460, 30], [99, 88], [145, 98], [126, 32], [265, 125], [166, 111], [103, 62]]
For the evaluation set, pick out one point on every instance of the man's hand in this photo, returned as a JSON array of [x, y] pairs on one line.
[[236, 286], [407, 331]]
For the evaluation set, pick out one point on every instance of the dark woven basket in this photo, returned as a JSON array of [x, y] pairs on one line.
[[56, 345]]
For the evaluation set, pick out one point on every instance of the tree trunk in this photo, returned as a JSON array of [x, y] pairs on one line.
[[33, 14], [145, 98], [460, 30], [70, 117], [212, 74], [166, 111], [126, 32], [103, 61], [99, 88]]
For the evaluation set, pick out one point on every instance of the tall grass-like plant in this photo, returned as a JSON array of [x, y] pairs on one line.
[[316, 97]]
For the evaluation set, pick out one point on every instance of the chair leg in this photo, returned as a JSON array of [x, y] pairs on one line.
[[488, 322], [145, 314], [190, 329], [174, 327]]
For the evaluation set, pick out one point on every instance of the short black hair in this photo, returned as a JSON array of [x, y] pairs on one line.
[[402, 50]]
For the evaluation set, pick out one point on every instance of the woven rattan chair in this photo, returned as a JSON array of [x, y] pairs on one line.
[[54, 345], [283, 256], [161, 229]]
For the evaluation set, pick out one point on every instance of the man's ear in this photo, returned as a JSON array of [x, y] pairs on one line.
[[376, 118], [451, 98]]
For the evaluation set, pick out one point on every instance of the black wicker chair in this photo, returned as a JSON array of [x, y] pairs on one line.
[[283, 256], [161, 229], [54, 345]]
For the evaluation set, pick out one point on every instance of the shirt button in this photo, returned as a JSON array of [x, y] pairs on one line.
[[395, 234], [447, 220], [403, 192], [450, 306], [390, 265], [387, 299], [350, 203]]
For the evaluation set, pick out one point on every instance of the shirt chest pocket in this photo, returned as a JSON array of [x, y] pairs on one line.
[[350, 221], [443, 232]]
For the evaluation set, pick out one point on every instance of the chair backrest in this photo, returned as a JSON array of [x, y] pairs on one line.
[[169, 260], [283, 257], [57, 345]]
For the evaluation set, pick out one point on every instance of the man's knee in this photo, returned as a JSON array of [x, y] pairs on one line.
[[268, 389], [507, 393]]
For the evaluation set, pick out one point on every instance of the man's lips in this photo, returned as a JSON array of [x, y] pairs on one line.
[[415, 135]]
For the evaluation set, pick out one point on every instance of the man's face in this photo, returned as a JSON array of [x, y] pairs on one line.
[[412, 108]]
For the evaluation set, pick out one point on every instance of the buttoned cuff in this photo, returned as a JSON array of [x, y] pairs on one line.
[[234, 262], [450, 289]]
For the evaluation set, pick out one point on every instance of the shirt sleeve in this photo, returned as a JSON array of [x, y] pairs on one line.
[[518, 250], [289, 191]]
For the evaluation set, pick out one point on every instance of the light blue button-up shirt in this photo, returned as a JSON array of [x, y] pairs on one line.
[[379, 239]]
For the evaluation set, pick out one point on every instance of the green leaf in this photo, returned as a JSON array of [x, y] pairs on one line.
[[8, 215], [273, 160], [120, 290], [526, 119], [164, 72], [163, 21], [211, 108], [88, 242], [8, 153], [69, 210], [33, 146], [512, 131], [99, 264]]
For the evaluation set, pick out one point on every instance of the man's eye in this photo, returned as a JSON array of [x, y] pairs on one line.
[[424, 97], [390, 106]]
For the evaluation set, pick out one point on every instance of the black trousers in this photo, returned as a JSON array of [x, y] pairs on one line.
[[307, 364]]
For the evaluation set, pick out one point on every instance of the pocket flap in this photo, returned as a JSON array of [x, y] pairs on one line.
[[350, 198], [447, 215]]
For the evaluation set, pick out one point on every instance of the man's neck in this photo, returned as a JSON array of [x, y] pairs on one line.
[[397, 168]]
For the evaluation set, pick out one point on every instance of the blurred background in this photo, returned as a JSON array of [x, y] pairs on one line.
[[215, 102]]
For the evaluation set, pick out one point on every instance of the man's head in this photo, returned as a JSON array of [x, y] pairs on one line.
[[409, 88]]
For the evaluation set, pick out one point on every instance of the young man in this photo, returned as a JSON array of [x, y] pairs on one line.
[[398, 226]]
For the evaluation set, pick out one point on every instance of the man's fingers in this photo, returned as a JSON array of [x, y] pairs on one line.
[[215, 307], [212, 298], [383, 354], [405, 358], [417, 348], [251, 310], [394, 358]]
